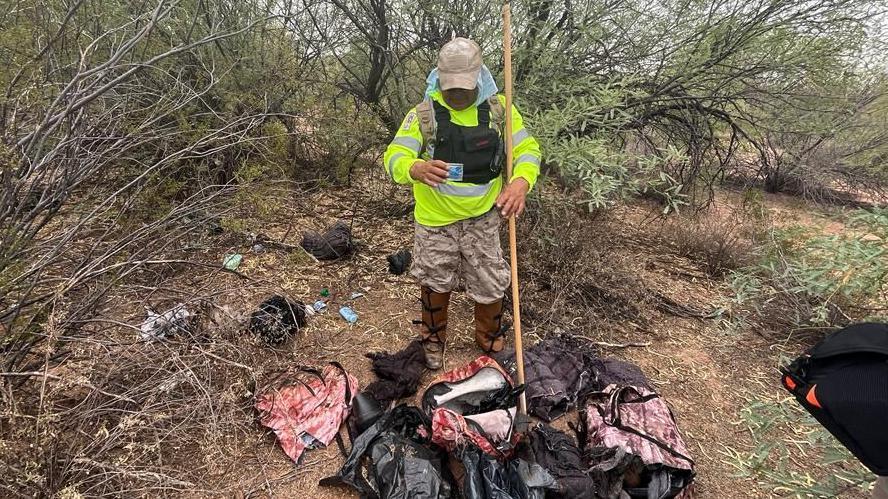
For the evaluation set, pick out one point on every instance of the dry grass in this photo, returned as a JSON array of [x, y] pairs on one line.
[[720, 242]]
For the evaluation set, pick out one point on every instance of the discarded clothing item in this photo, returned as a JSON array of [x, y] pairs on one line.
[[277, 319], [475, 404], [638, 421], [558, 371], [843, 382], [399, 373], [618, 473], [561, 457], [488, 478], [335, 243], [618, 372], [305, 406], [159, 326], [486, 84], [399, 262], [394, 459]]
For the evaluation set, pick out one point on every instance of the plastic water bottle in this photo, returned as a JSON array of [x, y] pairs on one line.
[[348, 314]]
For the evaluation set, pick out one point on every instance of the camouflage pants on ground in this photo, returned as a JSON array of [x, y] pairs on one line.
[[467, 251]]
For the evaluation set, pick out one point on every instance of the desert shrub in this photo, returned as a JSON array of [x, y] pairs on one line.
[[806, 278], [720, 243]]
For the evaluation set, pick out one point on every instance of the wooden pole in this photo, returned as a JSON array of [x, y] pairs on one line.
[[513, 241]]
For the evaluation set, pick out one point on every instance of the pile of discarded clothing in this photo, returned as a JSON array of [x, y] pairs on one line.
[[467, 439]]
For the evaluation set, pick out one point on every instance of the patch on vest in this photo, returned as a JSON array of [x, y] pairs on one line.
[[408, 121]]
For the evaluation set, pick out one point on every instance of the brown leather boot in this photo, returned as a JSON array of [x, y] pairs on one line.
[[488, 326], [433, 326]]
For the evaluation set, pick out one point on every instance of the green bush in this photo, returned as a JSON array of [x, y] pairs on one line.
[[793, 455], [803, 278]]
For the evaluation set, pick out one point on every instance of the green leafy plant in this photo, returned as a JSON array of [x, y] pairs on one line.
[[793, 454], [805, 278]]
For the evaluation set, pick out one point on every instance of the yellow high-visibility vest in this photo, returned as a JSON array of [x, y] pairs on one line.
[[454, 201]]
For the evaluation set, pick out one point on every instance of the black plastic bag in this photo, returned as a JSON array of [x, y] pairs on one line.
[[393, 460], [399, 262], [488, 478]]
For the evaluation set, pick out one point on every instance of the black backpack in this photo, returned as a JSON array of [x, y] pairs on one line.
[[843, 383]]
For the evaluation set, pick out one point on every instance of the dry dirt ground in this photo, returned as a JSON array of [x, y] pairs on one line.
[[706, 370]]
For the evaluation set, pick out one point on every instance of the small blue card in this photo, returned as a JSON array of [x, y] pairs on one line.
[[455, 172]]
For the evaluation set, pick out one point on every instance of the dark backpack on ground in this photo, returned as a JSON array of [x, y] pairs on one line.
[[843, 383]]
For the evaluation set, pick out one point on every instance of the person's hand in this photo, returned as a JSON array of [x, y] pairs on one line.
[[430, 173], [511, 200]]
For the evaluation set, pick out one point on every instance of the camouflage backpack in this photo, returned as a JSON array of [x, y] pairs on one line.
[[475, 404], [634, 422], [305, 406]]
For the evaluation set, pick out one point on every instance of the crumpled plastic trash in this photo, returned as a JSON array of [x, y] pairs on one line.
[[232, 262], [393, 459], [399, 262], [348, 314], [159, 326], [487, 477]]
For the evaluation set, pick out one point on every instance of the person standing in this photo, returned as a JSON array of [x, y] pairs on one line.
[[450, 149]]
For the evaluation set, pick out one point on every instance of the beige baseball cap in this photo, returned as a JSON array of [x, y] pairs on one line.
[[459, 64]]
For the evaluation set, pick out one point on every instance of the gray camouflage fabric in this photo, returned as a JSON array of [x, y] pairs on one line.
[[620, 406], [466, 252]]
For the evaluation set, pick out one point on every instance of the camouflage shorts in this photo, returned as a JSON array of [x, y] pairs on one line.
[[467, 253]]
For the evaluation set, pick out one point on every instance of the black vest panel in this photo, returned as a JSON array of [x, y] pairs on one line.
[[478, 148]]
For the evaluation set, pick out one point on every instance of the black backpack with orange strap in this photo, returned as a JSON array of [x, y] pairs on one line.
[[843, 382]]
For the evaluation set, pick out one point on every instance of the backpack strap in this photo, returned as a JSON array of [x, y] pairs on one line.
[[611, 416], [497, 113], [484, 114], [426, 113]]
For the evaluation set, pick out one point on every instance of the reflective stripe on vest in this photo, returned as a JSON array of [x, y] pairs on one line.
[[409, 142], [465, 191], [528, 158], [519, 136]]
